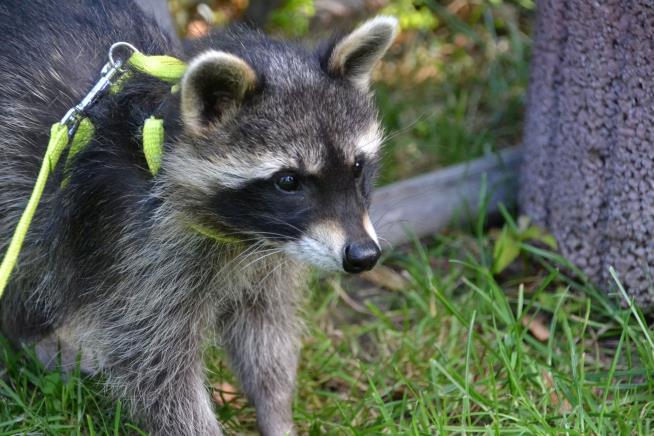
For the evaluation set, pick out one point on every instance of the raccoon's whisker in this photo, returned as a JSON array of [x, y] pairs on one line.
[[269, 234], [259, 249], [254, 261], [256, 235], [386, 241], [392, 207], [243, 255], [383, 239], [277, 220], [233, 264], [257, 252], [270, 253], [280, 221], [305, 234], [276, 268], [277, 236], [294, 227], [394, 133]]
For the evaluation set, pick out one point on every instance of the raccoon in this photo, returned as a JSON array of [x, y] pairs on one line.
[[270, 155]]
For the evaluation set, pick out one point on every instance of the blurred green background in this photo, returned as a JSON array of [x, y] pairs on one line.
[[452, 87]]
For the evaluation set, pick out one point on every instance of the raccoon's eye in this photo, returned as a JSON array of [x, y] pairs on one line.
[[288, 183], [358, 167]]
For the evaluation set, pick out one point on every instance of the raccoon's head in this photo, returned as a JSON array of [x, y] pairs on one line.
[[280, 144]]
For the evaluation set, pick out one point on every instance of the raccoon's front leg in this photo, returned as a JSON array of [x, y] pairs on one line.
[[157, 368], [263, 346], [182, 408]]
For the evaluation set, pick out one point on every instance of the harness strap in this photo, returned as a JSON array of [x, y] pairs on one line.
[[153, 139], [166, 68], [215, 235], [79, 131], [82, 137]]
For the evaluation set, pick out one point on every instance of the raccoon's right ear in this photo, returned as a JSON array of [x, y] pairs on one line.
[[213, 88], [354, 56]]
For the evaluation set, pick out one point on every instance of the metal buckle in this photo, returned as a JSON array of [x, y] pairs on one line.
[[111, 70]]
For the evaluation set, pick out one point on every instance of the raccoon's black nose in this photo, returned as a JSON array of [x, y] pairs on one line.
[[360, 256]]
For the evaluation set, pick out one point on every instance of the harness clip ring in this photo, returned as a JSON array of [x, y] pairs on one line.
[[117, 63]]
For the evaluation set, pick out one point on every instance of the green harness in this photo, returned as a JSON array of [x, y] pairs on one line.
[[77, 131]]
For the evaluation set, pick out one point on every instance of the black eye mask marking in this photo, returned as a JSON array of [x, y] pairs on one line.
[[283, 206]]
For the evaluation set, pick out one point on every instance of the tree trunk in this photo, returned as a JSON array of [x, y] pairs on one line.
[[159, 10], [588, 171]]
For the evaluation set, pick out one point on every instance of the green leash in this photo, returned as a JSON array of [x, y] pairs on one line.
[[56, 146], [78, 130]]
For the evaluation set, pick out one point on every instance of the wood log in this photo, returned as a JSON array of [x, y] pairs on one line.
[[423, 205]]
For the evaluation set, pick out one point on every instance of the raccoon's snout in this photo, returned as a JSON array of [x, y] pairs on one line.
[[360, 256], [329, 246]]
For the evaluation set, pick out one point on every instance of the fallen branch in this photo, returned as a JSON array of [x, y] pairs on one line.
[[426, 204]]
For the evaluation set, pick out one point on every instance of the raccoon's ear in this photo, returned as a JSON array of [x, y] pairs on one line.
[[355, 55], [213, 87]]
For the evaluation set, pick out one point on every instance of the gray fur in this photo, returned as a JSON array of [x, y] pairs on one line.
[[113, 266]]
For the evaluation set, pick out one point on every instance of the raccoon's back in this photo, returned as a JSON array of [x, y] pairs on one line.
[[50, 57]]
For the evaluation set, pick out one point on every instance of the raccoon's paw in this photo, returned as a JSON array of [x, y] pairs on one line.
[[270, 426]]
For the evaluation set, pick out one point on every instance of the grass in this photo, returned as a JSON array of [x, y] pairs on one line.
[[454, 350]]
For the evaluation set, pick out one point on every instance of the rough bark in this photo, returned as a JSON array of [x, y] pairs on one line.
[[588, 168]]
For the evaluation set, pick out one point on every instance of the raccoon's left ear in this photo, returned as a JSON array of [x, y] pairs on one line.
[[354, 56], [213, 88]]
